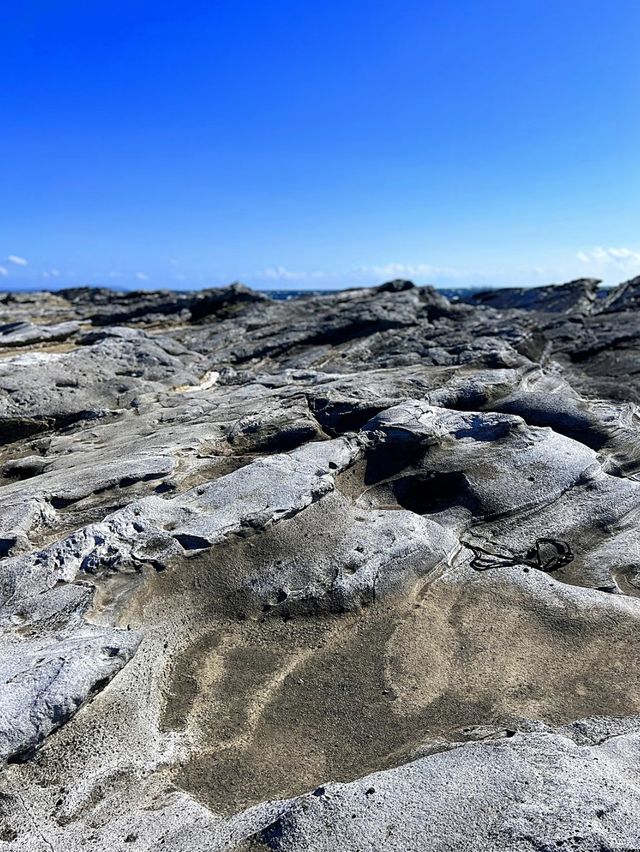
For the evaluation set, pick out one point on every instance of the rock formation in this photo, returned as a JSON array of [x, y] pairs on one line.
[[356, 571]]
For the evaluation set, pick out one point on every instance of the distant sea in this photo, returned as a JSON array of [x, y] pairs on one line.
[[452, 293]]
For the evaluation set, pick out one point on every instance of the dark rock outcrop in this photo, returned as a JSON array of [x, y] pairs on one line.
[[574, 297], [624, 297]]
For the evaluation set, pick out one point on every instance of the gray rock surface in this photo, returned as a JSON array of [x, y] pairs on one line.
[[625, 296], [574, 297], [539, 790], [355, 571]]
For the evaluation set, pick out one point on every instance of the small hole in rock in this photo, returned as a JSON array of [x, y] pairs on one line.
[[192, 542]]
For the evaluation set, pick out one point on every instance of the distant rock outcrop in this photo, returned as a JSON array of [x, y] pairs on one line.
[[625, 296], [574, 297]]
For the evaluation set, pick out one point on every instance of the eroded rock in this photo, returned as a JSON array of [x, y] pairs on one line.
[[349, 571]]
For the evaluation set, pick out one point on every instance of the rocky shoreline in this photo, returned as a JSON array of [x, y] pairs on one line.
[[356, 571]]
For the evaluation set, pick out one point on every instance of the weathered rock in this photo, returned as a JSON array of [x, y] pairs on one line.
[[531, 791], [624, 297], [106, 372], [26, 333], [105, 307], [46, 680], [574, 297], [398, 285], [252, 551]]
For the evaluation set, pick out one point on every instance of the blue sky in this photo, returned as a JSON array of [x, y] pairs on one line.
[[293, 143]]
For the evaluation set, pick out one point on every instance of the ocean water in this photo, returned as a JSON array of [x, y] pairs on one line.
[[278, 295], [452, 293]]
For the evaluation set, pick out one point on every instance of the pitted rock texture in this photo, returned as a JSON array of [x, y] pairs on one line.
[[354, 571]]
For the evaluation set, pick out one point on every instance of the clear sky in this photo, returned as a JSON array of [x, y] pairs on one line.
[[300, 143]]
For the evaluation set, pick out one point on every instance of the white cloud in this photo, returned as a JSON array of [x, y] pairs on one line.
[[414, 270], [178, 276], [281, 273], [141, 276], [17, 260], [3, 270], [363, 273], [611, 264], [397, 269], [621, 258]]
